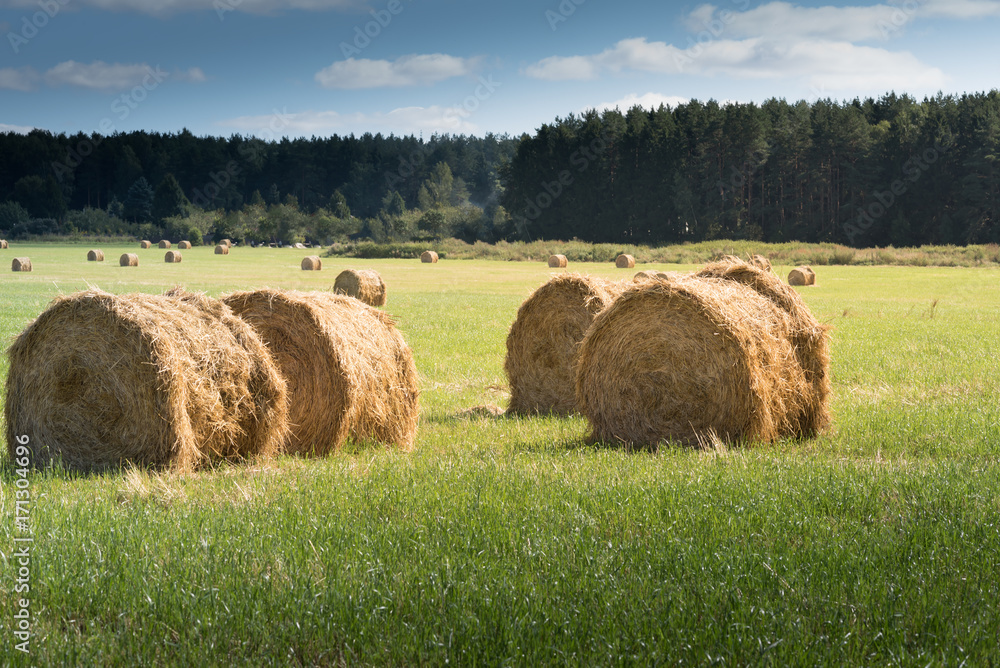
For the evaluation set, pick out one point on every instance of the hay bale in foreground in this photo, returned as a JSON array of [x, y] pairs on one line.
[[184, 245], [810, 339], [558, 261], [760, 262], [95, 255], [164, 244], [348, 370], [364, 284], [145, 244], [21, 264], [625, 261], [803, 275], [129, 260], [4, 244], [691, 360], [172, 256], [101, 380], [429, 256], [222, 249], [543, 341], [311, 263]]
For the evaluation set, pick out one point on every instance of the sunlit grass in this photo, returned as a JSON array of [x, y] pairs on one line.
[[511, 541]]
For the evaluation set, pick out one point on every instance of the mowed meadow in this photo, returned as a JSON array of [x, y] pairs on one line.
[[514, 541]]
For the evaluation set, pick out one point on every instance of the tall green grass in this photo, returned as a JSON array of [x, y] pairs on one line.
[[509, 541]]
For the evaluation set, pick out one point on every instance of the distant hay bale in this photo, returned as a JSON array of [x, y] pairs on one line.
[[543, 341], [558, 261], [4, 244], [300, 246], [102, 380], [348, 370], [803, 275], [429, 256], [172, 256], [312, 263], [625, 261], [21, 264], [760, 262], [364, 284], [810, 339], [226, 242], [129, 260], [222, 249], [95, 255], [653, 275], [164, 244], [145, 244], [692, 360], [184, 245]]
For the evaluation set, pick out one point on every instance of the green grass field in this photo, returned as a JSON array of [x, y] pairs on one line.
[[511, 541]]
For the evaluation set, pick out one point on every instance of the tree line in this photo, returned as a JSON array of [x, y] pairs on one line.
[[871, 172]]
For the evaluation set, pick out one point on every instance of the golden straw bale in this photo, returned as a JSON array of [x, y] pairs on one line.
[[129, 260], [558, 261], [95, 255], [625, 261], [227, 242], [364, 284], [172, 256], [348, 370], [760, 262], [809, 338], [145, 244], [4, 244], [311, 263], [21, 264], [429, 256], [690, 360], [184, 245], [222, 249], [803, 275], [543, 341], [653, 275], [164, 244], [102, 380]]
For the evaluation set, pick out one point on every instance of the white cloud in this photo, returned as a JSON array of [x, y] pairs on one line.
[[784, 21], [557, 68], [959, 9], [99, 75], [647, 101], [405, 120], [194, 74], [412, 70], [221, 7], [18, 129], [23, 79]]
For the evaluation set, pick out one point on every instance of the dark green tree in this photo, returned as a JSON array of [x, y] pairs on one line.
[[139, 201], [169, 199]]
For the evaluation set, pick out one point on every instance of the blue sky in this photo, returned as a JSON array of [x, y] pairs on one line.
[[307, 67]]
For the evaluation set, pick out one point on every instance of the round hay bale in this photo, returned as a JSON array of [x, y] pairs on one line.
[[129, 260], [625, 261], [4, 244], [172, 256], [227, 242], [145, 244], [348, 370], [312, 263], [21, 264], [95, 255], [803, 275], [653, 275], [364, 284], [222, 249], [164, 244], [760, 262], [558, 261], [102, 380], [692, 360], [543, 341], [184, 245], [429, 256], [810, 339]]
